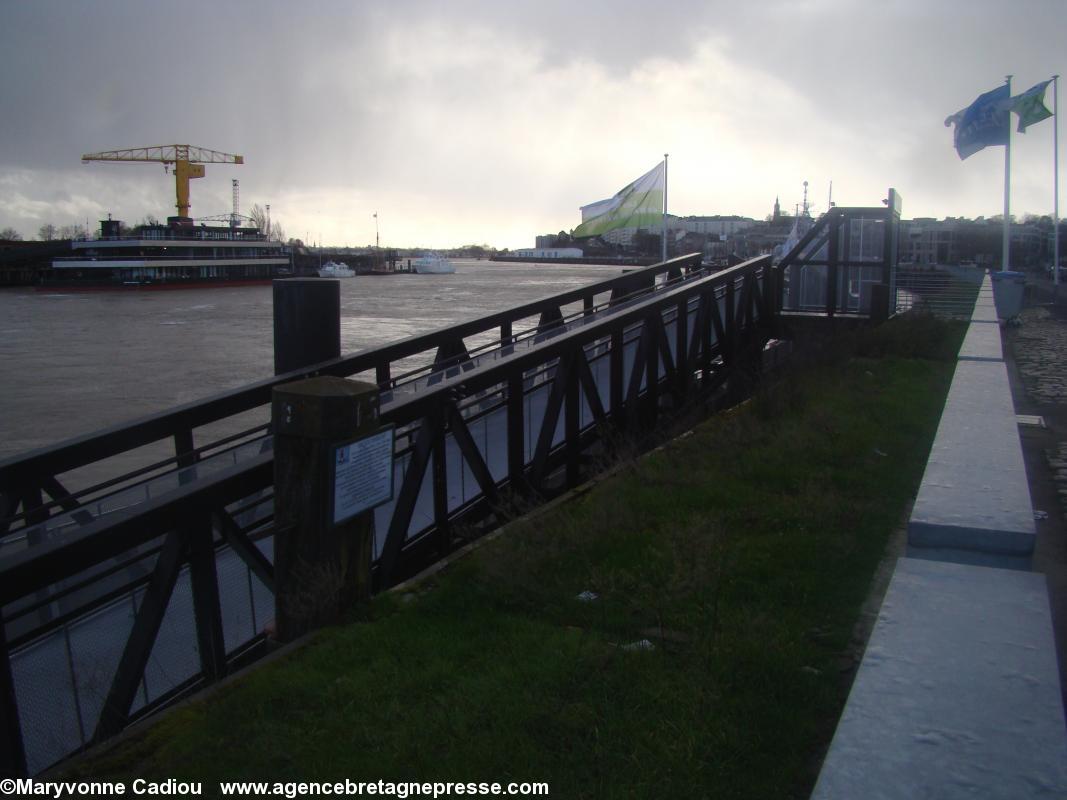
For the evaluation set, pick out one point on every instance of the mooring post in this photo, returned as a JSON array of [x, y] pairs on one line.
[[307, 322], [332, 465], [879, 302]]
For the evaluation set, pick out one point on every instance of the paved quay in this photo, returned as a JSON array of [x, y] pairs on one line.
[[1036, 355], [960, 690]]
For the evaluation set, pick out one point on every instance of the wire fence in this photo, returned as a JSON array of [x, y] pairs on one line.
[[936, 292]]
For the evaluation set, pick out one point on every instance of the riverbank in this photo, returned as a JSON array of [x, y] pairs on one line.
[[619, 262], [681, 628]]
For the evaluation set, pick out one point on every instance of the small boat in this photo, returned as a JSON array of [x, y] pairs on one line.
[[432, 264], [336, 269]]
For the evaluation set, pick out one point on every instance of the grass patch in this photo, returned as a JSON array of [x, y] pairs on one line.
[[741, 551]]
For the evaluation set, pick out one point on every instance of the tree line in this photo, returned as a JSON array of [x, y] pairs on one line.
[[48, 232]]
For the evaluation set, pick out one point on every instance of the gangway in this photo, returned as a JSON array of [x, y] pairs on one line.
[[104, 587], [402, 387]]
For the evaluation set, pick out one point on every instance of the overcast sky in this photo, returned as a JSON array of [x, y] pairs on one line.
[[490, 121]]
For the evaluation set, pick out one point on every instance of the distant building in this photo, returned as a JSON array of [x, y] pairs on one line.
[[623, 237], [711, 226], [549, 253], [929, 241], [925, 240]]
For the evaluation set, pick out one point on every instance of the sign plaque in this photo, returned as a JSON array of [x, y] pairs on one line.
[[361, 474]]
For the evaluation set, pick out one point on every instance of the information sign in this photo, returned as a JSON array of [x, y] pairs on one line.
[[362, 474]]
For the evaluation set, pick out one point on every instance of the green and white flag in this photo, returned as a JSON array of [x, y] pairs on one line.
[[638, 205], [1030, 106]]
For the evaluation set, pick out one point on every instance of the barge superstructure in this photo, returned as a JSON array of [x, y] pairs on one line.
[[170, 256]]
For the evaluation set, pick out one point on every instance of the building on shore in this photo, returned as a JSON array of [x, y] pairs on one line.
[[923, 241], [548, 253], [926, 241]]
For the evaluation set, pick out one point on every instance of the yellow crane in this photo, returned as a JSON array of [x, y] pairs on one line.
[[188, 162]]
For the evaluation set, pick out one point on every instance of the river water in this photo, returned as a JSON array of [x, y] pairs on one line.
[[73, 363]]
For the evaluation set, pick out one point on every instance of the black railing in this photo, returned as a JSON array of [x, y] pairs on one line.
[[551, 400], [75, 556], [845, 264], [25, 480], [511, 402]]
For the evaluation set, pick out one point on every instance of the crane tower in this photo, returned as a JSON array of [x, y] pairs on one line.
[[188, 162]]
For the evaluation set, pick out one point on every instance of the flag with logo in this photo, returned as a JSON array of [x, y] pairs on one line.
[[983, 123], [638, 205], [1030, 106]]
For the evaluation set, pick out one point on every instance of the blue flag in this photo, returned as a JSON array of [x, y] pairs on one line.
[[983, 123]]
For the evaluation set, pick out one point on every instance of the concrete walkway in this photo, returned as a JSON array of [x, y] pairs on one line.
[[960, 692], [1036, 356]]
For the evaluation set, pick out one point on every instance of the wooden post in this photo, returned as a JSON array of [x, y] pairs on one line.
[[879, 302], [307, 322], [321, 568]]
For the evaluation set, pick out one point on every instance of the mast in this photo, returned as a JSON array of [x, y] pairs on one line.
[[1056, 181], [664, 243], [1007, 186]]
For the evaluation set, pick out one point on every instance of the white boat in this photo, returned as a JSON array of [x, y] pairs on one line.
[[432, 264], [336, 269]]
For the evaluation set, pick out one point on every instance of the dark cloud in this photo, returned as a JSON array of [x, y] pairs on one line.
[[481, 106]]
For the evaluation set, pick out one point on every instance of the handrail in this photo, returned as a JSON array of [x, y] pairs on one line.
[[482, 377], [703, 330], [121, 530], [833, 231], [20, 573], [820, 225]]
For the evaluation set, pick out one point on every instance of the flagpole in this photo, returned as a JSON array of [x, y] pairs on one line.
[[664, 248], [1007, 186], [1056, 180]]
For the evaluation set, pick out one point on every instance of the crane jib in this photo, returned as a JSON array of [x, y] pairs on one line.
[[188, 160]]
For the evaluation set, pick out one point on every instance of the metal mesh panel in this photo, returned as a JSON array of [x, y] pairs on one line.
[[262, 597], [423, 516], [866, 240], [63, 679], [534, 414], [176, 655], [383, 514], [935, 292], [96, 645], [235, 600], [495, 425], [461, 483], [48, 711], [670, 331], [479, 431], [629, 353], [601, 369]]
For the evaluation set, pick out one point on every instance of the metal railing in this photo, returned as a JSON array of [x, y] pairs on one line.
[[844, 264], [129, 555], [944, 292], [28, 479], [103, 587]]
